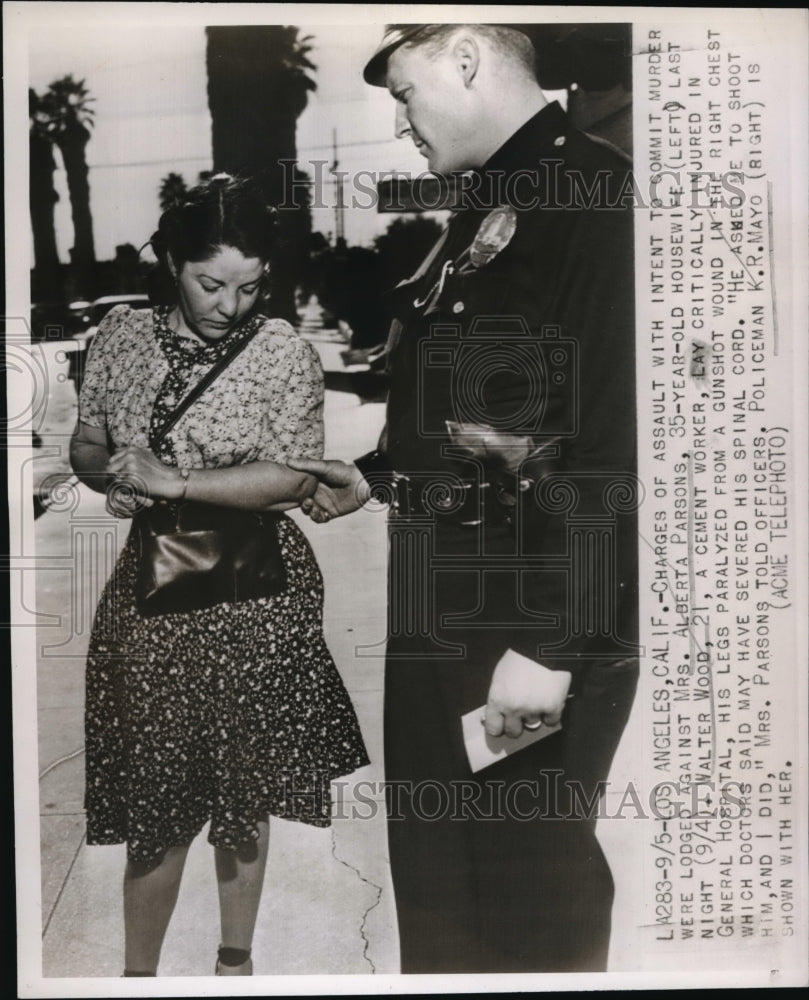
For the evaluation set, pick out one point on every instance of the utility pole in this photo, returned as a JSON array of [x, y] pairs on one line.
[[339, 207]]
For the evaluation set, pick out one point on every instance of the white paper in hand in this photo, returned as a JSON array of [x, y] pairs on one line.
[[483, 750]]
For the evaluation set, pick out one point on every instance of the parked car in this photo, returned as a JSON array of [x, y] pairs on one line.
[[59, 320], [80, 316], [100, 307], [96, 311], [50, 320]]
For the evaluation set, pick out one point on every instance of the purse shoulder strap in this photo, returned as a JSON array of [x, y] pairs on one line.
[[207, 380]]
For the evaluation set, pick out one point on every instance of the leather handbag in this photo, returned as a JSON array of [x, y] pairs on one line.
[[195, 555]]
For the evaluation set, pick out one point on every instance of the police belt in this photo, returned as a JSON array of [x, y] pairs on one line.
[[462, 502]]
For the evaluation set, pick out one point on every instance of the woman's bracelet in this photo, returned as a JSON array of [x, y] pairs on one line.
[[185, 473]]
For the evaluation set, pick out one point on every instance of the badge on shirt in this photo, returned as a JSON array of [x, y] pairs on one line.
[[494, 235]]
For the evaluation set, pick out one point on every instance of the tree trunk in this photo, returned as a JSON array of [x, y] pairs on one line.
[[255, 99], [72, 144], [42, 198]]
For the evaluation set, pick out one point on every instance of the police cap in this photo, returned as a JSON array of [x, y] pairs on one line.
[[597, 56]]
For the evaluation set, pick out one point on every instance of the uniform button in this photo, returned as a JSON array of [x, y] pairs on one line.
[[559, 140], [458, 307]]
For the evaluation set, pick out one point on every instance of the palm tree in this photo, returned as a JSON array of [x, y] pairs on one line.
[[257, 89], [42, 198], [67, 105], [173, 190]]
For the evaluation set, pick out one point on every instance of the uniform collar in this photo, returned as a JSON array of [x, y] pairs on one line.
[[537, 139], [541, 136]]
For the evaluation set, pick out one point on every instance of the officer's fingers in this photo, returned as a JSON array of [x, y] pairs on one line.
[[314, 466], [310, 507], [331, 472], [552, 718], [494, 721], [324, 499], [532, 721], [513, 725], [319, 515]]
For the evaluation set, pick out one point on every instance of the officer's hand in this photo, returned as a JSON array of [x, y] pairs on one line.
[[523, 691], [341, 488], [496, 449]]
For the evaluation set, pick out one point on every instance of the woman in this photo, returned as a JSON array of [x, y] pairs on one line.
[[235, 712]]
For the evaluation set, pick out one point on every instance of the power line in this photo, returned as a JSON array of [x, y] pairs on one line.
[[207, 159], [343, 145], [151, 163]]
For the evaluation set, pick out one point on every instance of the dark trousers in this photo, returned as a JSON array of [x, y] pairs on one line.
[[490, 872]]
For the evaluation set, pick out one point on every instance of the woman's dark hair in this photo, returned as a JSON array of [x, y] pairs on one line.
[[223, 212]]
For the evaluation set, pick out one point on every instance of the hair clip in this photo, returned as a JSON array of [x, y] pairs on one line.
[[221, 178]]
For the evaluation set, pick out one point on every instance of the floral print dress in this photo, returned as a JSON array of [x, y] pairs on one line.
[[232, 712]]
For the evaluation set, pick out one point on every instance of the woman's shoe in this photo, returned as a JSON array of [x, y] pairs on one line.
[[234, 962]]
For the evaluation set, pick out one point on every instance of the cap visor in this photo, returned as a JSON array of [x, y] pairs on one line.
[[376, 68]]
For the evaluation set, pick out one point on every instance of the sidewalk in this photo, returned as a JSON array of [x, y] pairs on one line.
[[327, 906]]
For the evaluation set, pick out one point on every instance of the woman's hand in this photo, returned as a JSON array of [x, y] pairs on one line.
[[145, 475]]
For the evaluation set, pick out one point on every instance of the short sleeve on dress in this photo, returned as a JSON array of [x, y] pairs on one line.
[[295, 425], [103, 356]]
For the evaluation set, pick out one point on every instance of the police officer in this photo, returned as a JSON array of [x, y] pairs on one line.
[[508, 461]]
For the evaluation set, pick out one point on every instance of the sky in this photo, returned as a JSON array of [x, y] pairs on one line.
[[151, 117]]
